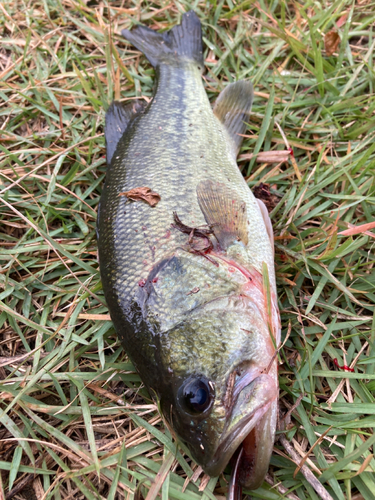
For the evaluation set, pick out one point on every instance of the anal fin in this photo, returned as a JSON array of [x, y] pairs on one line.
[[233, 108], [117, 120], [224, 212]]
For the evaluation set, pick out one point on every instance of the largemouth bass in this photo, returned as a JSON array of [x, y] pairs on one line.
[[190, 281]]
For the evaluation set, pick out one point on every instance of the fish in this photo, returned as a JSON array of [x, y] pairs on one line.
[[189, 279]]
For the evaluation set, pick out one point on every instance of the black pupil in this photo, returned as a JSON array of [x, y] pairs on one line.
[[197, 395]]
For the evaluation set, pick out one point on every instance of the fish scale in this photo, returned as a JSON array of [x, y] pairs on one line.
[[200, 328]]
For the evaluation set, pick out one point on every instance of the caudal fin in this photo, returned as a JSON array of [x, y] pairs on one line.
[[182, 42]]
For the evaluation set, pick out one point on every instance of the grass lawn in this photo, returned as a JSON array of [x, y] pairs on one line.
[[75, 420]]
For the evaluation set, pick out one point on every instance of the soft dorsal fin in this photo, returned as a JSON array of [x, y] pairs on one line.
[[224, 212], [117, 120], [233, 107], [267, 222]]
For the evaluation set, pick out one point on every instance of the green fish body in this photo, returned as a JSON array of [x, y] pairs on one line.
[[190, 282]]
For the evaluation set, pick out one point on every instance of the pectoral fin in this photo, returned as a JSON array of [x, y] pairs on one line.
[[117, 120], [224, 212], [233, 107]]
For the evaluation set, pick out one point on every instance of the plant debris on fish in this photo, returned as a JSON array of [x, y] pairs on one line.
[[209, 358], [142, 193]]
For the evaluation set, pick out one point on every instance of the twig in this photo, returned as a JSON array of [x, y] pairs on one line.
[[28, 477], [285, 420], [315, 483], [280, 488], [318, 441]]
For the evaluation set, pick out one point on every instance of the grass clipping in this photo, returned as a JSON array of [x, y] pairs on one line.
[[75, 420]]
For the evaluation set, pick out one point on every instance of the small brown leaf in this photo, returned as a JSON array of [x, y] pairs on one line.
[[262, 192], [331, 42], [143, 193]]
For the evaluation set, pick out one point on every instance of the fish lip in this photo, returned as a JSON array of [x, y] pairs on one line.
[[233, 438], [232, 442]]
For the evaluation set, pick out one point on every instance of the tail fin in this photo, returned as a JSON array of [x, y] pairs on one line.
[[182, 42]]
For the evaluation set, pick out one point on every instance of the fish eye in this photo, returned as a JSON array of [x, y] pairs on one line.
[[196, 395]]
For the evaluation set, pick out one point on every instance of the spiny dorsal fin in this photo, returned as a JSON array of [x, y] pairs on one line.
[[183, 41], [267, 222], [224, 212], [233, 107], [117, 120]]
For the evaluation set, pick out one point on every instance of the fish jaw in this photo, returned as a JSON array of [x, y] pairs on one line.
[[250, 428], [257, 450]]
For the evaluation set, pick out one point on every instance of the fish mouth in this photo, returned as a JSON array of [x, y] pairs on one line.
[[249, 433]]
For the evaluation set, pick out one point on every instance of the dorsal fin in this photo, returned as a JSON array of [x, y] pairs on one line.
[[233, 107], [224, 212], [117, 120], [267, 222]]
